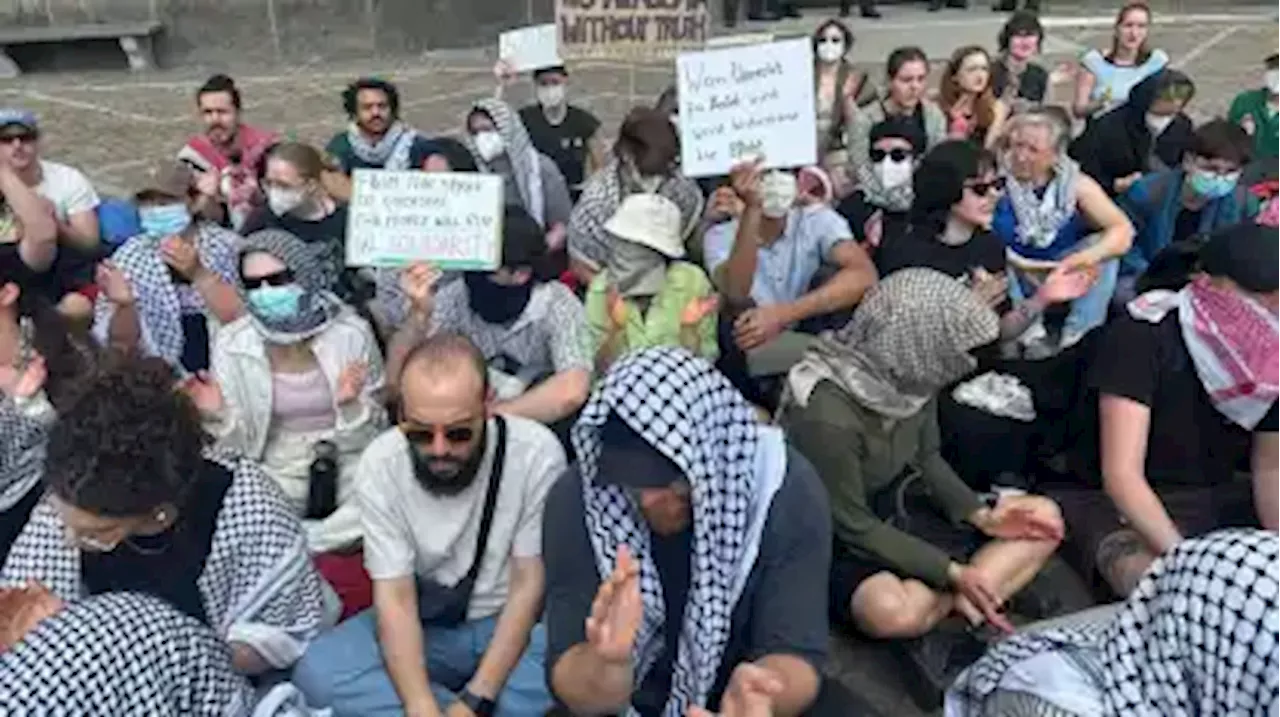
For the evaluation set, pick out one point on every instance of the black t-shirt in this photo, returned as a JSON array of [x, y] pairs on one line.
[[1189, 442], [671, 556], [857, 210], [918, 248], [783, 604], [167, 565], [567, 143], [1187, 224]]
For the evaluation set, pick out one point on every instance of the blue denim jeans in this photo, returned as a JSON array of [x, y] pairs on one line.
[[1088, 312], [343, 669]]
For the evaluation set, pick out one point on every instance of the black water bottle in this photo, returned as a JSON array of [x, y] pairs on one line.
[[322, 489]]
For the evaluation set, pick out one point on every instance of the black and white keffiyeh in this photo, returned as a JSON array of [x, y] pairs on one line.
[[258, 583], [392, 151], [689, 412], [121, 654], [1198, 636], [318, 306], [1041, 217], [22, 443], [526, 163]]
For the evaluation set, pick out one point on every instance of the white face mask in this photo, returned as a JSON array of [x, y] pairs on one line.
[[778, 192], [1272, 82], [281, 201], [892, 174], [830, 50], [1158, 123], [489, 144], [675, 120], [550, 95]]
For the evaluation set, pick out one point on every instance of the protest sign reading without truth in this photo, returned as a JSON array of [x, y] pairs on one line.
[[453, 220], [630, 28]]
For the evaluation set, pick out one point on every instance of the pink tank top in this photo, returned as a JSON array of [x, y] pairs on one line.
[[301, 402]]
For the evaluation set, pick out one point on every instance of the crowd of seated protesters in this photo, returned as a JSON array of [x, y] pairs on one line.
[[974, 344]]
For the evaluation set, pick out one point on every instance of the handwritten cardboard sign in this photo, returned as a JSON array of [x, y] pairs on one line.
[[530, 48], [742, 102], [453, 220], [630, 28]]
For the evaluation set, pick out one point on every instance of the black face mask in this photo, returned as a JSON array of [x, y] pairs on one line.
[[496, 303], [446, 485]]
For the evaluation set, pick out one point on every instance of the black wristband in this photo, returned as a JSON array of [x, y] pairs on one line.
[[481, 706]]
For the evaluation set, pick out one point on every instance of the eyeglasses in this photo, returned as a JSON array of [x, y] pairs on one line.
[[457, 435], [984, 188], [23, 138], [897, 154], [280, 278]]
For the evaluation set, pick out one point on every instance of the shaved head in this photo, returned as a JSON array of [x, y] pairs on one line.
[[445, 364]]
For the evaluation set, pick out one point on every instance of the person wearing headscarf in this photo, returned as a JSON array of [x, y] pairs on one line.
[[137, 501], [877, 210], [686, 553], [498, 139], [861, 407], [297, 386], [1186, 387], [1147, 133], [181, 273], [1197, 637], [122, 654], [1052, 215], [644, 160], [647, 295], [376, 138]]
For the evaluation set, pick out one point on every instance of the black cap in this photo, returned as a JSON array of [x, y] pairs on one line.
[[1247, 253], [524, 243], [629, 461], [901, 128]]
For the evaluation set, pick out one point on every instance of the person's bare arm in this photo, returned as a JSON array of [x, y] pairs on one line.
[[1081, 106], [738, 272], [996, 130], [589, 685], [597, 153], [845, 289], [1266, 479], [800, 683], [221, 298], [1124, 427], [80, 230], [1111, 221], [124, 332], [400, 639], [511, 636], [416, 328], [551, 400], [38, 245], [246, 660]]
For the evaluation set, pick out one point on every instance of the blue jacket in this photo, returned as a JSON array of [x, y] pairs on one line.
[[1153, 203]]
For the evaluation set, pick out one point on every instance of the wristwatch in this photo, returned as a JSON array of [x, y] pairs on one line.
[[481, 706]]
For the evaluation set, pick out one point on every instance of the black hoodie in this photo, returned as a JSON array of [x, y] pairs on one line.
[[1118, 143]]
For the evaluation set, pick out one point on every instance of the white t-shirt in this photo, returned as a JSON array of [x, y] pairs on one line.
[[411, 532], [68, 189]]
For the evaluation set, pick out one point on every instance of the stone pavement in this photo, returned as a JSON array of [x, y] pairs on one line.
[[112, 125]]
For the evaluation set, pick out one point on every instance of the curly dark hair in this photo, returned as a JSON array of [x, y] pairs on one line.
[[128, 442]]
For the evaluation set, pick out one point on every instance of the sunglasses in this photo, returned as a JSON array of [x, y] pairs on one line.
[[897, 154], [280, 278], [23, 138], [985, 188], [457, 435]]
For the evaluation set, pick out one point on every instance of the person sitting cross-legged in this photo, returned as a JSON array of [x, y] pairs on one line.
[[451, 509]]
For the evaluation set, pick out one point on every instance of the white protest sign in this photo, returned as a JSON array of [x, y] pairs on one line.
[[743, 102], [746, 38], [453, 220], [530, 48]]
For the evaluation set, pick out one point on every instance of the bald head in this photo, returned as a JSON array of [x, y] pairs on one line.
[[445, 363]]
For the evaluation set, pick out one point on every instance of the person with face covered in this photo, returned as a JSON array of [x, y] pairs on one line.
[[644, 160], [878, 209], [906, 72], [531, 180], [686, 555], [1015, 79], [138, 501], [296, 385], [376, 138], [1177, 204], [531, 333], [227, 156], [838, 89], [646, 295], [181, 272], [1147, 133], [451, 504], [861, 407], [764, 264]]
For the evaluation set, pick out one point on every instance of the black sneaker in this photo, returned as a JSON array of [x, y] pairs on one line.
[[937, 658]]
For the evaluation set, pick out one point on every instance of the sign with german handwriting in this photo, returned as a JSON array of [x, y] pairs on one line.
[[737, 103], [630, 28], [452, 220]]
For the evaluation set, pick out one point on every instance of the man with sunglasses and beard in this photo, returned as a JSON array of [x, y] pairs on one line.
[[451, 506]]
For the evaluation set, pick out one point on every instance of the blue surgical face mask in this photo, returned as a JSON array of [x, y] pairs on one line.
[[276, 303], [164, 220], [1211, 185]]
